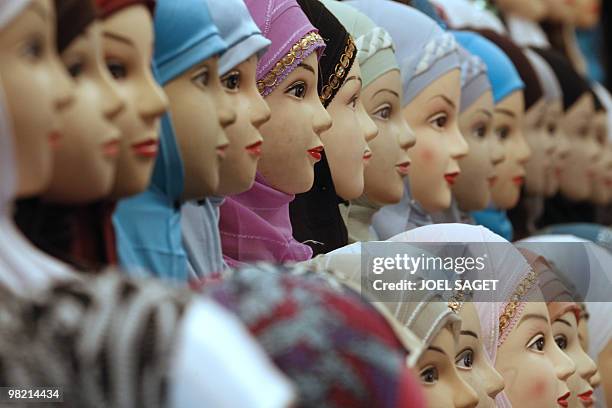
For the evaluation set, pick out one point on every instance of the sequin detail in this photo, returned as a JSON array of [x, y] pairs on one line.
[[336, 79]]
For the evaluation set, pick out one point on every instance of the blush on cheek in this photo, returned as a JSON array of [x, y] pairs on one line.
[[427, 155], [538, 389]]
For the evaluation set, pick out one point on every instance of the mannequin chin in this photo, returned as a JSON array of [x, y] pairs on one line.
[[541, 146], [439, 144], [557, 138], [534, 10], [346, 142], [127, 43], [472, 362], [90, 142], [602, 178], [390, 158], [587, 13], [534, 368], [200, 112], [565, 332], [37, 89], [472, 187], [298, 119], [576, 177], [561, 11], [442, 384], [237, 171], [507, 124]]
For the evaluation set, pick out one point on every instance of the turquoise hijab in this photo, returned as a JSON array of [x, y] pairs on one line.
[[148, 226]]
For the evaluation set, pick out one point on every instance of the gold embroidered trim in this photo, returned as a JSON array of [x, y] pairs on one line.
[[515, 300], [335, 79], [296, 52], [456, 301]]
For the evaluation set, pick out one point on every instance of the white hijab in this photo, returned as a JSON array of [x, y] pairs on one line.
[[23, 268]]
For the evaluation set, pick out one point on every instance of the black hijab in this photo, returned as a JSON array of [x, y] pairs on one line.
[[315, 217]]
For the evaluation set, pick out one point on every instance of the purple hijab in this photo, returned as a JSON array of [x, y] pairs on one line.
[[255, 225]]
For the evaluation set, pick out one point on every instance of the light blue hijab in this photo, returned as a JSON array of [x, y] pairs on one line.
[[148, 226]]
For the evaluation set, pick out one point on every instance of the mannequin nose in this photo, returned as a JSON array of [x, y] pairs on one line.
[[112, 102], [564, 366], [63, 85], [322, 120], [458, 146], [495, 384], [407, 138], [153, 102], [589, 368], [370, 129], [524, 151], [465, 396], [595, 379], [227, 114], [261, 111]]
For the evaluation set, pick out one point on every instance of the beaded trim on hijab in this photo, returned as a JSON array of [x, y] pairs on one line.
[[516, 303], [279, 72], [342, 68]]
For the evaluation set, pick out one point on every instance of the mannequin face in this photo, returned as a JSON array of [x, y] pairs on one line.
[[442, 384], [602, 177], [604, 363], [200, 112], [472, 188], [472, 362], [507, 124], [584, 337], [565, 332], [439, 145], [587, 12], [346, 142], [292, 144], [90, 141], [37, 89], [534, 368], [238, 169], [561, 11], [576, 177], [390, 160], [127, 43], [534, 10], [559, 140], [541, 146]]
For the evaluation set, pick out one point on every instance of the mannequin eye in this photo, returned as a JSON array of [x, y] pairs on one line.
[[480, 131], [503, 133], [465, 359], [552, 129], [117, 69], [33, 49], [75, 69], [383, 113], [439, 121], [429, 375], [297, 89], [353, 102], [537, 343], [231, 81], [201, 78], [561, 341]]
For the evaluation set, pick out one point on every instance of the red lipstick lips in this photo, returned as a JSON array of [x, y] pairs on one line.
[[492, 180], [403, 168], [111, 149], [562, 401], [586, 398], [147, 148], [316, 153], [451, 177], [518, 180], [54, 139], [367, 155], [255, 148]]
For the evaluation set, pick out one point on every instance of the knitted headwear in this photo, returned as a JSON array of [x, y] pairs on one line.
[[502, 74], [238, 30], [108, 7], [375, 51], [72, 18], [474, 81], [572, 83], [548, 80], [533, 90], [293, 38], [183, 38], [424, 51]]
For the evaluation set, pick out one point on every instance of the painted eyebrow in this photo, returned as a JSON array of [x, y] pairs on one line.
[[565, 322], [469, 333], [353, 77], [306, 67], [118, 38], [40, 10], [385, 90], [438, 350], [505, 112], [446, 99], [532, 316]]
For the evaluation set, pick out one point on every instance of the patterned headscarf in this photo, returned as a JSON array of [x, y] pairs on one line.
[[336, 348]]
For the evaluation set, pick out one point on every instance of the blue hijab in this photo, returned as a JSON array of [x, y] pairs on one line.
[[504, 80], [148, 226]]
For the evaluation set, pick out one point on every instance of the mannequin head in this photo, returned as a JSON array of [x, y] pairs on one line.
[[200, 112], [390, 159], [472, 189], [542, 148], [587, 13], [559, 139], [472, 361], [37, 90], [442, 384], [602, 171], [534, 10], [90, 141], [346, 142], [433, 114], [292, 142], [507, 124], [565, 333], [576, 177], [127, 44], [535, 370]]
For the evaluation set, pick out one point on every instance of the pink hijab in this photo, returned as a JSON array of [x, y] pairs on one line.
[[255, 225]]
